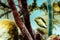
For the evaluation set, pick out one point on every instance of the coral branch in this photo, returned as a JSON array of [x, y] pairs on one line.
[[25, 12], [19, 21]]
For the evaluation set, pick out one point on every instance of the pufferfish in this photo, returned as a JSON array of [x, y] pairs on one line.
[[8, 30]]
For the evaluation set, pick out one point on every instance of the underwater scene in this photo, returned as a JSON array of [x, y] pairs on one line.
[[29, 19]]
